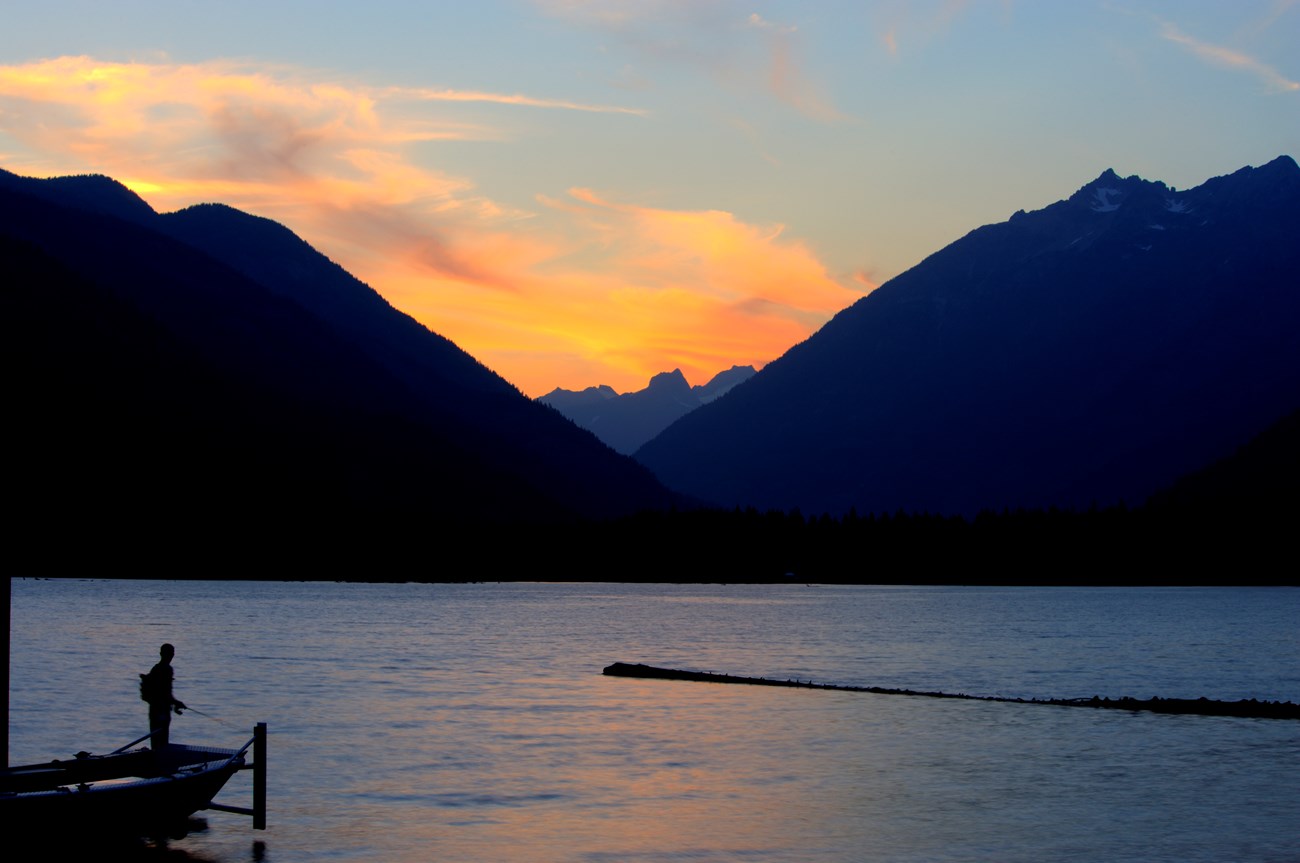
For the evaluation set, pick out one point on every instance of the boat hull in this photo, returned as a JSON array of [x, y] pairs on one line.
[[132, 793]]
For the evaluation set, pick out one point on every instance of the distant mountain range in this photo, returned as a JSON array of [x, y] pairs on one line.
[[627, 421], [1093, 351], [204, 380], [206, 368]]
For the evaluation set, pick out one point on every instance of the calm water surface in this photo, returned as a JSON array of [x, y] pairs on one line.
[[471, 722]]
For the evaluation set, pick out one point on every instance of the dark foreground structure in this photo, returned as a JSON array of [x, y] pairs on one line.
[[1191, 706], [129, 792]]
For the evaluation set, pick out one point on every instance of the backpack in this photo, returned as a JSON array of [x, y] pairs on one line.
[[152, 688]]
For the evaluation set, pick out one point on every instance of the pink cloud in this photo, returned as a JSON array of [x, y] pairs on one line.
[[1228, 58]]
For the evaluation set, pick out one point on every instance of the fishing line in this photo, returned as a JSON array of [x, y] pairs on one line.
[[204, 715]]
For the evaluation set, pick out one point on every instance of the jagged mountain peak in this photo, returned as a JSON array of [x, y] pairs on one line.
[[1111, 177], [562, 399], [1109, 192], [1282, 167], [669, 381], [1273, 182], [627, 421], [723, 382]]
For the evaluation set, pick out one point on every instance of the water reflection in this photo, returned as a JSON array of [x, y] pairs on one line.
[[471, 722], [182, 845]]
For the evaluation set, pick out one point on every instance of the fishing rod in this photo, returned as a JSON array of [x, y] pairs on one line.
[[204, 715]]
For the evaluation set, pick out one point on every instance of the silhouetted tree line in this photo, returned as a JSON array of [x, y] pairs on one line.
[[1112, 545], [1155, 544]]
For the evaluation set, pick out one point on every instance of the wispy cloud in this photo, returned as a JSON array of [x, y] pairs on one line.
[[227, 121], [890, 40], [758, 21], [1228, 58], [788, 79], [867, 280], [618, 292], [568, 291], [504, 99], [908, 22], [1269, 18], [714, 37], [325, 157]]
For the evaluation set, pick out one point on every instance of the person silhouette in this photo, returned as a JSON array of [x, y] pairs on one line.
[[156, 689]]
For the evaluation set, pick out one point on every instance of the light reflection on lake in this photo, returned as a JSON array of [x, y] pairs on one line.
[[470, 722]]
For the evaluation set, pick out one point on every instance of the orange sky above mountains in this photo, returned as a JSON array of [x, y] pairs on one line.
[[582, 193]]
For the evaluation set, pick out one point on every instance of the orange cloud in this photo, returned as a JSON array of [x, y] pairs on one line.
[[651, 289], [630, 291], [583, 290], [869, 283], [720, 256]]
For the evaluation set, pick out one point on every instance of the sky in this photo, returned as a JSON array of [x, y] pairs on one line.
[[582, 193]]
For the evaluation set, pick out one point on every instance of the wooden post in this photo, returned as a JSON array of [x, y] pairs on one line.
[[5, 695], [259, 776]]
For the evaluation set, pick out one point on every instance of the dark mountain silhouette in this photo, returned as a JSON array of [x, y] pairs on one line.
[[1256, 484], [1092, 351], [627, 421], [723, 382], [208, 366], [565, 401]]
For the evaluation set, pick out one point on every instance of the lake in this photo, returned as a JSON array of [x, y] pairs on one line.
[[470, 722]]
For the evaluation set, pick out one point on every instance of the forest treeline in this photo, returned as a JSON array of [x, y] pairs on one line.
[[1157, 544]]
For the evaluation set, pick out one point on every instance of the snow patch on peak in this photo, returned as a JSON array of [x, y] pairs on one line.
[[1104, 199], [1174, 206]]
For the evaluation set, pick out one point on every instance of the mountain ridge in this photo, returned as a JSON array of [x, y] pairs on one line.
[[332, 369], [627, 421], [1090, 296]]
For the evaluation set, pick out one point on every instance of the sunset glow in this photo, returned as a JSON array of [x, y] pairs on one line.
[[616, 190]]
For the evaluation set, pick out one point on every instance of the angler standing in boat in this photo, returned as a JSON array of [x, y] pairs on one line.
[[156, 689]]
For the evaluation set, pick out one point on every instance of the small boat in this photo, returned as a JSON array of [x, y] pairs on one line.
[[131, 791]]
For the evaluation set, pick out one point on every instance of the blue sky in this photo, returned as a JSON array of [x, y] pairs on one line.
[[582, 192]]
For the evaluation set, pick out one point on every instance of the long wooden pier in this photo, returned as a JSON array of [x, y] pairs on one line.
[[1192, 706]]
